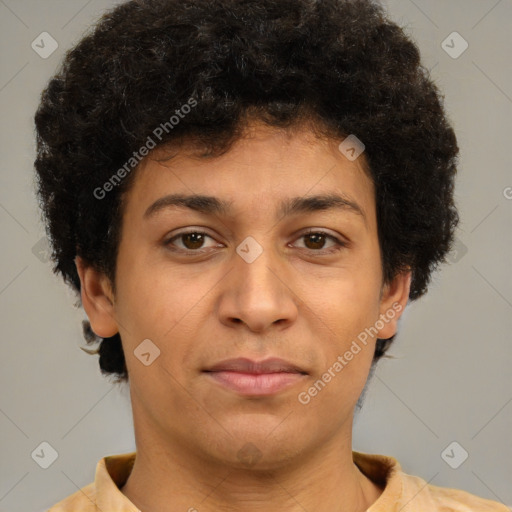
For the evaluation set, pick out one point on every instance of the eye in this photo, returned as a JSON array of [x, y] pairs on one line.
[[316, 241], [190, 240]]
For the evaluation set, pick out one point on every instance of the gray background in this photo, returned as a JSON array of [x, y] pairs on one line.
[[450, 379]]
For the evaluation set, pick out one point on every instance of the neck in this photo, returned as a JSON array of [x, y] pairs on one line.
[[174, 478]]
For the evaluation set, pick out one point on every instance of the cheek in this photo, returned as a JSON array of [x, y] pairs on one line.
[[347, 348], [143, 290], [346, 311], [350, 303], [159, 303]]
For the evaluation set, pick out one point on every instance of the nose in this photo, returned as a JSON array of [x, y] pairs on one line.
[[258, 293]]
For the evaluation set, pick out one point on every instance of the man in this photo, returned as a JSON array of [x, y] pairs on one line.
[[246, 194]]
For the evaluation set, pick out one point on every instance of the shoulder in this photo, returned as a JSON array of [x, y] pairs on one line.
[[104, 493], [444, 499], [402, 492], [83, 500]]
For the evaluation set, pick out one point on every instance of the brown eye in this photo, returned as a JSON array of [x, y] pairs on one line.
[[316, 240], [189, 241], [192, 240]]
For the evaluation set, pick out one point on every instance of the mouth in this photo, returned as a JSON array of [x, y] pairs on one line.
[[251, 378]]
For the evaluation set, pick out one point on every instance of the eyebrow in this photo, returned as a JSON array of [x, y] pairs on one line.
[[211, 205]]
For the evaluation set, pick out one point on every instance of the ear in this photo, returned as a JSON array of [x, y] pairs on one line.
[[394, 298], [97, 299]]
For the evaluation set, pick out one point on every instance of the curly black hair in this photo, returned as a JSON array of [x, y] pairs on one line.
[[340, 63]]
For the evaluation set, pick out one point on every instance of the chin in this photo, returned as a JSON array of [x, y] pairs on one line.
[[257, 450]]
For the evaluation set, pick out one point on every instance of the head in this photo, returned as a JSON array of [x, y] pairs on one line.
[[247, 102]]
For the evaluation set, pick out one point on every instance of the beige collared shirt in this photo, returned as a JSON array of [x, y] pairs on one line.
[[402, 492]]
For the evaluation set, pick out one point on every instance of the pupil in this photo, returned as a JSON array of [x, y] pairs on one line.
[[195, 243], [317, 239]]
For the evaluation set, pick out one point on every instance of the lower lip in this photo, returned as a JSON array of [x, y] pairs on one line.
[[251, 384]]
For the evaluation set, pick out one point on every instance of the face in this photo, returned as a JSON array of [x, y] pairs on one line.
[[241, 276]]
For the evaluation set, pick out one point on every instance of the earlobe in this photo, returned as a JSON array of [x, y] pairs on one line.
[[393, 302], [97, 299]]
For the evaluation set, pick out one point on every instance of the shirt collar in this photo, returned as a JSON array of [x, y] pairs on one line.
[[112, 472]]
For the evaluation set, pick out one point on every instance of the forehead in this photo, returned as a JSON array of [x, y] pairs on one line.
[[267, 168]]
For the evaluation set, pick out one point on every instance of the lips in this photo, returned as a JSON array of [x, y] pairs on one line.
[[244, 365], [251, 378]]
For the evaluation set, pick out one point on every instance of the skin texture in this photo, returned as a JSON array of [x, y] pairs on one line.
[[292, 302]]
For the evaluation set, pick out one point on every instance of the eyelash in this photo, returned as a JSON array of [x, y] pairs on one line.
[[339, 244]]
